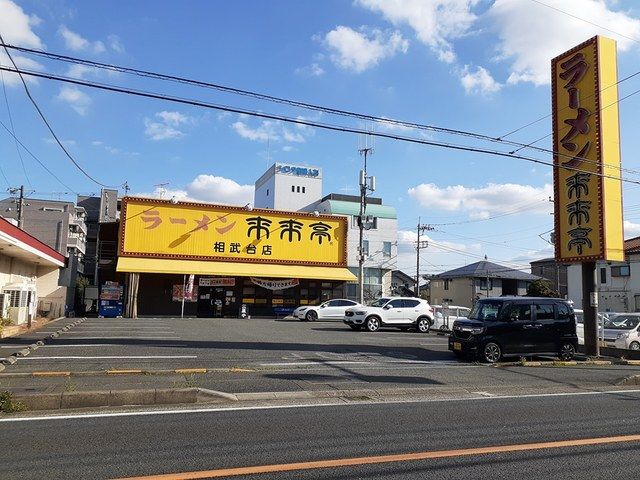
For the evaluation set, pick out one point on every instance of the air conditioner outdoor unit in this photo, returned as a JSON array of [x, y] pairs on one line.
[[5, 303]]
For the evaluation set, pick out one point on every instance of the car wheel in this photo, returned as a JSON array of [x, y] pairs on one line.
[[491, 353], [356, 327], [423, 325], [567, 351], [373, 324], [634, 346], [311, 316]]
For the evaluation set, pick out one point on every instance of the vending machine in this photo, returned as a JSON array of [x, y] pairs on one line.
[[110, 300]]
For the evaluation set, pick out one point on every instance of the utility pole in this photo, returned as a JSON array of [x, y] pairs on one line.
[[13, 191], [487, 265], [419, 245], [366, 184]]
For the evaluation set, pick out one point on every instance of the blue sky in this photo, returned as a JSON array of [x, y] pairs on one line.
[[474, 65]]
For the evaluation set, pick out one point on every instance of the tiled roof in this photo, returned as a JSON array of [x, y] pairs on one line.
[[483, 269]]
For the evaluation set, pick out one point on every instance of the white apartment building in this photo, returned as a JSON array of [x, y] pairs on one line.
[[299, 188], [618, 282]]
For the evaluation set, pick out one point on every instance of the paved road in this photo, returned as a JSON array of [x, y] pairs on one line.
[[268, 355], [180, 441]]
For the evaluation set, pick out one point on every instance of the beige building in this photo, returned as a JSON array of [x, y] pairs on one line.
[[29, 277], [463, 286]]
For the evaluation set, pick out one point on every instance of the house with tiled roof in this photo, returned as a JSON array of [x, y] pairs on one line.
[[463, 286], [618, 282]]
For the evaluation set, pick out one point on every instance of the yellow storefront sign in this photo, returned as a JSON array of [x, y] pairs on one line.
[[588, 193], [191, 231]]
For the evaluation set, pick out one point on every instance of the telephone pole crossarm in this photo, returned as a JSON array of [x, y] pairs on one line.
[[420, 244]]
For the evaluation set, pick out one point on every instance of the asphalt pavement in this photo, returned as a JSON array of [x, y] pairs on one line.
[[129, 444], [267, 355]]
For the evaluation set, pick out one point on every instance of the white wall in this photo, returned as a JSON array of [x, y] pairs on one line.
[[279, 185], [617, 294]]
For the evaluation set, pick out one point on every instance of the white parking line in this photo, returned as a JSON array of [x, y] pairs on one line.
[[110, 357]]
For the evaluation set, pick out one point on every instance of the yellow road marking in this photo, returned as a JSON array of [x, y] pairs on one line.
[[405, 457], [238, 369], [190, 370], [123, 372], [51, 374]]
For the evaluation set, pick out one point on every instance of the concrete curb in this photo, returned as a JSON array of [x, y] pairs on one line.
[[118, 398], [560, 363], [11, 359]]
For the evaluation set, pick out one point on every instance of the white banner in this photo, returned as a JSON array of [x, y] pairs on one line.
[[275, 284], [188, 291], [216, 282]]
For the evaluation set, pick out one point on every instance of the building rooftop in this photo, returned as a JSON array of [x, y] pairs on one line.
[[483, 269]]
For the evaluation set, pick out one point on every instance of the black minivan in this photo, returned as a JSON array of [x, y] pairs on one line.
[[516, 326]]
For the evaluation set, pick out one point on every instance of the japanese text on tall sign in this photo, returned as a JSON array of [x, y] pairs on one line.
[[586, 141], [161, 229]]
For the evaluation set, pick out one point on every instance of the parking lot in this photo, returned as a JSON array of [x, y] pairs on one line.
[[257, 355]]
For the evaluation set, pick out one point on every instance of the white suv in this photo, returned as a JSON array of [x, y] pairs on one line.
[[401, 312]]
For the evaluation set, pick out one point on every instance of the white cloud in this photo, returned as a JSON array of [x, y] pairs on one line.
[[172, 118], [76, 99], [209, 188], [532, 34], [269, 130], [479, 81], [66, 143], [260, 134], [16, 28], [287, 148], [313, 70], [115, 43], [77, 43], [358, 51], [485, 201], [80, 71], [166, 127], [631, 229], [436, 22]]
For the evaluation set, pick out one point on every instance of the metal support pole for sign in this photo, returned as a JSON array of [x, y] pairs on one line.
[[590, 309], [184, 286]]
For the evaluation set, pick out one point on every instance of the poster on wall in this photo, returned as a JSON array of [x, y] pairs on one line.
[[216, 282], [275, 284], [176, 294]]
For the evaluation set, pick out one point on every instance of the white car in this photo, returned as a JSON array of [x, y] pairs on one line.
[[329, 310], [602, 317], [445, 316], [401, 312], [621, 331]]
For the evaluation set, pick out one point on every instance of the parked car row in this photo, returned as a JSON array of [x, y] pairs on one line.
[[400, 312]]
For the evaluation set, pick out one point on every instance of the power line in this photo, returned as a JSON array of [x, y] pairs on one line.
[[34, 157], [294, 103], [44, 119], [310, 123], [6, 100], [586, 21]]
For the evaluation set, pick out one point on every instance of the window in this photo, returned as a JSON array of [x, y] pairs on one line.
[[395, 303], [386, 249], [620, 271], [545, 312], [483, 284], [365, 247], [446, 284], [293, 189], [603, 275], [411, 303], [298, 189], [520, 312], [267, 192], [303, 189], [563, 312]]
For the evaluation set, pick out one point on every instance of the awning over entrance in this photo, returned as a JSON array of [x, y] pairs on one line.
[[155, 265]]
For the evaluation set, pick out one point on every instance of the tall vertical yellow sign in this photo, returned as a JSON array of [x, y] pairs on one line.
[[586, 144]]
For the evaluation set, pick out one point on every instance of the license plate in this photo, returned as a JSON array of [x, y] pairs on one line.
[[457, 346]]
